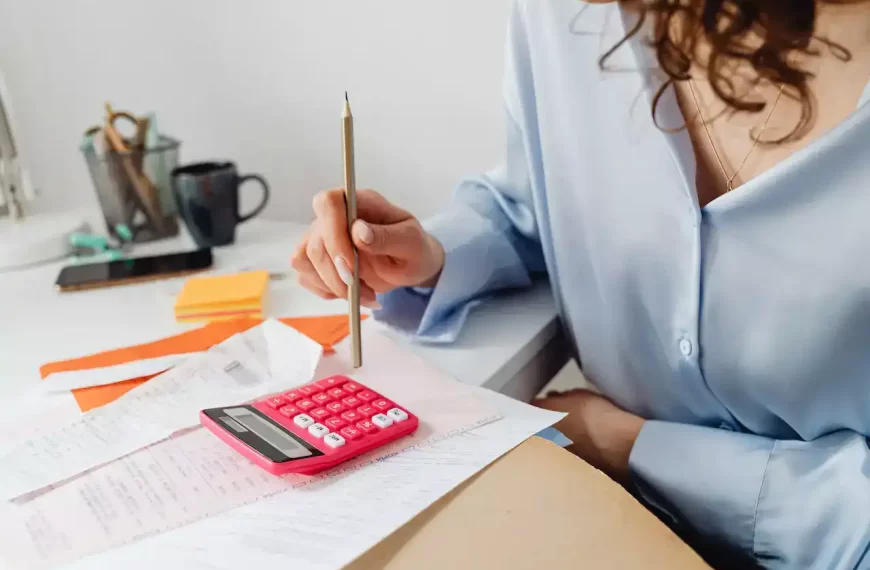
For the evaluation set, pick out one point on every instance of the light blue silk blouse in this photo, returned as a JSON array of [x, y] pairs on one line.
[[741, 329]]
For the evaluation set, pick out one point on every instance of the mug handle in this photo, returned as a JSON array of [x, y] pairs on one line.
[[242, 179]]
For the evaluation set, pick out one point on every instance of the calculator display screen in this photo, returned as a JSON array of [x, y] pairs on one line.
[[272, 434], [262, 434]]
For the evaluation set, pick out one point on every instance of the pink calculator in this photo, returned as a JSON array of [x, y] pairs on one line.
[[311, 428]]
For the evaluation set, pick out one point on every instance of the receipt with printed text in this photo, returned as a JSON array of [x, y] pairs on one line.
[[232, 372]]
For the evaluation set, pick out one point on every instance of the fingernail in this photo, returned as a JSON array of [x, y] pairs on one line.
[[343, 270], [364, 233], [373, 305]]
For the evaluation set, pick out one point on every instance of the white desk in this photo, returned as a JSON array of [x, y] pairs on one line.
[[512, 344]]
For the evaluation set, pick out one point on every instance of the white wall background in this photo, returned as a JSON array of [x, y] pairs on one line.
[[261, 83]]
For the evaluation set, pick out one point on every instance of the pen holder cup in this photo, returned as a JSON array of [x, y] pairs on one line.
[[120, 196]]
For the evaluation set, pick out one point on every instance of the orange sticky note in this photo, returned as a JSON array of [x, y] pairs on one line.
[[325, 330], [222, 297]]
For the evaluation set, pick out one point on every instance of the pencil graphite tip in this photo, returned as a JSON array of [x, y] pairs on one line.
[[345, 97]]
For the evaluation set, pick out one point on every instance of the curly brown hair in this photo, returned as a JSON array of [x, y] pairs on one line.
[[723, 36]]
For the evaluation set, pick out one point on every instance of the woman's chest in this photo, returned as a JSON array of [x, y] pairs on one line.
[[754, 311], [758, 313], [784, 321]]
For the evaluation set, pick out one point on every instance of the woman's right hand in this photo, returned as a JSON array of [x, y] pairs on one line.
[[394, 249]]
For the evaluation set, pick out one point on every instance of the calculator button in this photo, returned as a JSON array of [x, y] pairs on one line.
[[382, 421], [352, 401], [351, 387], [319, 414], [397, 415], [367, 410], [352, 416], [381, 404], [331, 382], [351, 432], [335, 424], [291, 396], [276, 402], [333, 440], [367, 426], [305, 405], [288, 410], [306, 390], [318, 430], [303, 420], [321, 398], [337, 393], [334, 407], [366, 395]]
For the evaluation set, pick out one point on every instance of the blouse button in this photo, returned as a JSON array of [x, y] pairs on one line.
[[686, 347]]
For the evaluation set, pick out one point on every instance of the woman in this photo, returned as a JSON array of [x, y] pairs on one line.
[[716, 289]]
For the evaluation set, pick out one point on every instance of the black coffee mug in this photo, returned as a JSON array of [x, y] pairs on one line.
[[207, 196]]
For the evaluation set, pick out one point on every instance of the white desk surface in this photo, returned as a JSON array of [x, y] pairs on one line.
[[499, 349]]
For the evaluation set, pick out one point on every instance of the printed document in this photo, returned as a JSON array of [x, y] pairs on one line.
[[334, 523], [194, 475], [237, 370]]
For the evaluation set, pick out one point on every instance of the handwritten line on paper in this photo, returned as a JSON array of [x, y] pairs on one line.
[[154, 411]]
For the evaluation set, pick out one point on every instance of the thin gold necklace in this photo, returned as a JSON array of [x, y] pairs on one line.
[[729, 185]]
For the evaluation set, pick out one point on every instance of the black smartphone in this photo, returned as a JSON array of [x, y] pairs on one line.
[[136, 270]]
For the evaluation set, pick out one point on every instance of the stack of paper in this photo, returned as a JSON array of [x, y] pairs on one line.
[[195, 481], [222, 297], [238, 370], [331, 523]]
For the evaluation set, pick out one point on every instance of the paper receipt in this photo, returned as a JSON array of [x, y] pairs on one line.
[[230, 373]]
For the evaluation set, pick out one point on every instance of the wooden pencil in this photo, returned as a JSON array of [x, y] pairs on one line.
[[350, 199]]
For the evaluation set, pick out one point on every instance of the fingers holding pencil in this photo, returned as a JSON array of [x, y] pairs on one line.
[[393, 248], [311, 263]]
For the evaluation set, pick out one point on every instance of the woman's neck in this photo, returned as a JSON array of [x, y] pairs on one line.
[[836, 87]]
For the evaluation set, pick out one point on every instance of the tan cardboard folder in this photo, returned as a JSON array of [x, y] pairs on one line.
[[538, 507]]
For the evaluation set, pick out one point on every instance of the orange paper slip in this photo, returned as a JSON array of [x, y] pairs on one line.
[[325, 330]]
